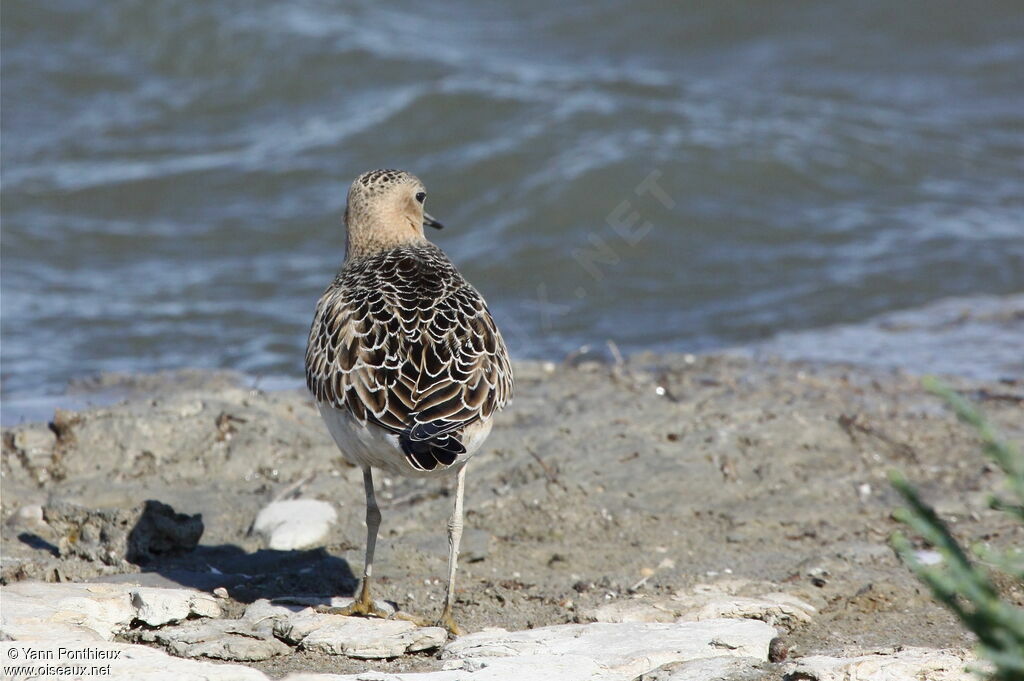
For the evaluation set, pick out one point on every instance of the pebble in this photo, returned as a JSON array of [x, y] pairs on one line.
[[777, 650], [29, 516], [262, 614], [295, 523], [928, 557]]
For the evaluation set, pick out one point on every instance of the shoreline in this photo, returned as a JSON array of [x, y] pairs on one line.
[[602, 484], [970, 337]]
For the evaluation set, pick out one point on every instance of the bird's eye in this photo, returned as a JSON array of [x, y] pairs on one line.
[[421, 196]]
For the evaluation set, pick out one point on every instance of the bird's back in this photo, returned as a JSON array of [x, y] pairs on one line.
[[401, 342]]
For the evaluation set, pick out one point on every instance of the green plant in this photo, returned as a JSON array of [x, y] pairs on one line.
[[964, 586]]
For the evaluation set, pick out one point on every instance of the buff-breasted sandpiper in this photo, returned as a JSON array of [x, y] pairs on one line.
[[404, 360]]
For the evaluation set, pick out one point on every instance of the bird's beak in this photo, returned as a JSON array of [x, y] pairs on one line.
[[429, 221]]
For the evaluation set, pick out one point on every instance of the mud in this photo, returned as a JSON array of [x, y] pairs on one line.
[[600, 482]]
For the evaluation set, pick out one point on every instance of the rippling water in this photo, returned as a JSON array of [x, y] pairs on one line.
[[669, 177]]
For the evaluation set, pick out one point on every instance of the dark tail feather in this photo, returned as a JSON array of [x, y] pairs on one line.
[[425, 455]]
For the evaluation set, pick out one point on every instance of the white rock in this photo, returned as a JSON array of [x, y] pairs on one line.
[[39, 611], [596, 652], [535, 668], [356, 636], [30, 516], [720, 599], [295, 523], [368, 639], [93, 611], [928, 557], [293, 617], [386, 676], [710, 669], [204, 605], [235, 640], [132, 663], [634, 610], [158, 606], [773, 608], [298, 626], [908, 664], [704, 603], [60, 614], [532, 668], [623, 650], [262, 609]]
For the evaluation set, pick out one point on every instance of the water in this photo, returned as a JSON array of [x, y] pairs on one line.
[[173, 172], [980, 337]]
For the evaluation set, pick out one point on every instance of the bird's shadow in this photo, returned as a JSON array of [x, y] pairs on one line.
[[249, 576], [166, 546]]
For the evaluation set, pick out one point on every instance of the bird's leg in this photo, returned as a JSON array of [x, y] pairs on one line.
[[454, 537], [363, 604]]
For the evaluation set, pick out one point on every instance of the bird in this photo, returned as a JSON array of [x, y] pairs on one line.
[[404, 360]]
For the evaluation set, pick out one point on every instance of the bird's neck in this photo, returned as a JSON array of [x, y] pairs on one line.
[[364, 244]]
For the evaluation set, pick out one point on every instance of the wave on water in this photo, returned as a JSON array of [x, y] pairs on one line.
[[174, 172], [979, 337]]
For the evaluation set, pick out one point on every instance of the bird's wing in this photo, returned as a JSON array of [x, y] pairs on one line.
[[407, 344]]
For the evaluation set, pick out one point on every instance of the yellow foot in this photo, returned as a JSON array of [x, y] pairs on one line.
[[357, 608], [415, 619], [448, 622]]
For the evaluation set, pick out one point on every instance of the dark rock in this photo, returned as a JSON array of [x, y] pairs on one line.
[[114, 535], [160, 531]]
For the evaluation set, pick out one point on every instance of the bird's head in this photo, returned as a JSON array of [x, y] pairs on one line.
[[385, 210]]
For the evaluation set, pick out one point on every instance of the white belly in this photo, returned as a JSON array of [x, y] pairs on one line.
[[370, 445]]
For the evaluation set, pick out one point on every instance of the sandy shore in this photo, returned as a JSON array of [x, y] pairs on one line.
[[598, 485]]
